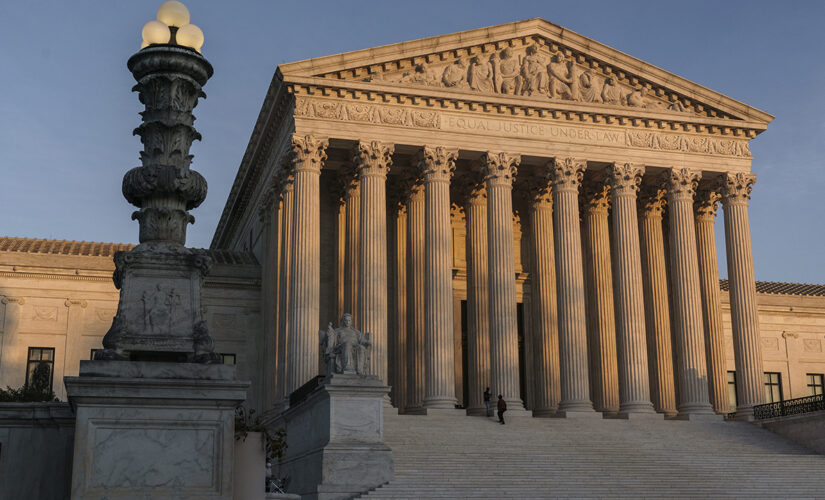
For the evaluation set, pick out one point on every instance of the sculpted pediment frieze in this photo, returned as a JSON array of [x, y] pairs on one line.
[[531, 59]]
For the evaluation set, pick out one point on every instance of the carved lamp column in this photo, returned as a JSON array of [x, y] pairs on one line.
[[159, 314]]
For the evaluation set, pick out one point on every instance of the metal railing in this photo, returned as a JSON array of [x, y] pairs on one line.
[[302, 392], [790, 407]]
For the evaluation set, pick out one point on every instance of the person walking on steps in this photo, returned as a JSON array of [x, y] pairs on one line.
[[487, 396], [502, 407]]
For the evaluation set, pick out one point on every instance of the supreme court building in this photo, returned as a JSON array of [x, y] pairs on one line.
[[516, 207]]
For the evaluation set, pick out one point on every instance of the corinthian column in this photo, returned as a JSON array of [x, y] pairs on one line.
[[307, 155], [478, 333], [566, 174], [373, 160], [736, 191], [705, 205], [657, 307], [284, 283], [634, 386], [437, 165], [598, 280], [352, 209], [499, 172], [398, 322], [687, 296], [547, 384], [416, 376]]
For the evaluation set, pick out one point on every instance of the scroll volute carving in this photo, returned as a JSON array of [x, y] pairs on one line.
[[566, 173], [500, 168], [625, 178], [737, 187], [595, 195], [652, 200], [681, 183], [373, 157], [308, 153], [437, 163]]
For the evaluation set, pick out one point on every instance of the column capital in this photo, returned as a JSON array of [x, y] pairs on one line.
[[437, 163], [75, 302], [539, 191], [307, 153], [270, 198], [373, 158], [595, 196], [736, 188], [566, 173], [13, 300], [626, 178], [681, 183], [652, 200], [500, 168], [705, 203]]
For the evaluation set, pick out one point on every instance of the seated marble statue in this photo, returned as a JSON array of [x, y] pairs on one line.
[[346, 350]]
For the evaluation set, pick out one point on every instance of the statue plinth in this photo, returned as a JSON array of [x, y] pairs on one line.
[[336, 430]]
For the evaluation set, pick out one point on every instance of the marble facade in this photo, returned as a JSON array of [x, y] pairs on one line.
[[541, 148]]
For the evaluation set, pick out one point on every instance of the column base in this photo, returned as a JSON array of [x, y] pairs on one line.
[[440, 403], [577, 414], [700, 417]]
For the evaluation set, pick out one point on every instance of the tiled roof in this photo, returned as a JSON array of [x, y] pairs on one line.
[[61, 247], [96, 249], [780, 288]]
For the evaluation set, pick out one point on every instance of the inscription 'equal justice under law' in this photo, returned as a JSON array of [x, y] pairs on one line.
[[521, 129]]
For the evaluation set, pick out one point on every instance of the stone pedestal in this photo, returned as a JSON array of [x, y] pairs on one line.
[[153, 430], [335, 445]]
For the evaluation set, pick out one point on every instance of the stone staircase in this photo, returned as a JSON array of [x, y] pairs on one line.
[[475, 457]]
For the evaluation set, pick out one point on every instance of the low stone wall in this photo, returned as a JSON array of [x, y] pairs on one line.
[[36, 443], [807, 429]]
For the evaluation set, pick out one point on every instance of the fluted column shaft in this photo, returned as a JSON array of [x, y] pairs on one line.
[[547, 384], [687, 295], [566, 175], [437, 165], [598, 281], [634, 385], [478, 333], [705, 206], [499, 172], [373, 160], [736, 189], [352, 203], [657, 306], [285, 286], [399, 358], [268, 356], [415, 297], [307, 155]]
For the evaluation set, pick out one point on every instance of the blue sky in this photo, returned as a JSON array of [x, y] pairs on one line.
[[67, 113]]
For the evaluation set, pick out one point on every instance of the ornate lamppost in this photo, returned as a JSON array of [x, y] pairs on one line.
[[159, 316]]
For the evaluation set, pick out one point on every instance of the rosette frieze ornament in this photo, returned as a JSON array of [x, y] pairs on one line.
[[500, 168], [373, 158], [681, 183], [566, 173], [437, 163], [626, 178], [736, 188]]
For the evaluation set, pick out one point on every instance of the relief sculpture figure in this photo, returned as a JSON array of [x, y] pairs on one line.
[[507, 74], [455, 75], [588, 85], [636, 99], [481, 75], [532, 74], [345, 349], [612, 92], [559, 78], [422, 75]]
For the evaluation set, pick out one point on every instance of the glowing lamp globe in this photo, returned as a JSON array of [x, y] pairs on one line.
[[191, 36], [155, 32], [173, 13]]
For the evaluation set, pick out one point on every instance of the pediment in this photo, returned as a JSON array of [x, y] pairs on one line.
[[531, 59]]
